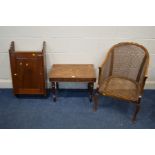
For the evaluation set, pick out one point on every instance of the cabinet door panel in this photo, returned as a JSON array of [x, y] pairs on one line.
[[32, 74], [28, 71]]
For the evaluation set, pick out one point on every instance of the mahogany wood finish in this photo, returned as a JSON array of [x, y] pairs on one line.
[[72, 73], [28, 71]]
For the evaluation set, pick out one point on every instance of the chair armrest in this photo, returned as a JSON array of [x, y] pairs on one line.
[[104, 68], [104, 71], [100, 69]]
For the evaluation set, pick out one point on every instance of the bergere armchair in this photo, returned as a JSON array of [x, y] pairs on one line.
[[123, 74]]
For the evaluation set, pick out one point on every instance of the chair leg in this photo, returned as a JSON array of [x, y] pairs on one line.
[[136, 111], [95, 99]]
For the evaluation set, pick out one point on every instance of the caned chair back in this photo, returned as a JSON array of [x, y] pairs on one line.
[[128, 60]]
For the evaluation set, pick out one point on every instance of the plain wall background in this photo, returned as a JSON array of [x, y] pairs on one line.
[[79, 45]]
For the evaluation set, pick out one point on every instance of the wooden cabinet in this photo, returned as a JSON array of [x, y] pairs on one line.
[[28, 71]]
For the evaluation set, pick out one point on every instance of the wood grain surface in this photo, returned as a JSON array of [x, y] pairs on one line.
[[72, 73]]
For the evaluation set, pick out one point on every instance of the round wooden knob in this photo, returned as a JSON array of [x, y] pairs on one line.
[[15, 74], [33, 54], [27, 65]]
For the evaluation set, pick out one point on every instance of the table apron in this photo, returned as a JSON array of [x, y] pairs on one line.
[[72, 80]]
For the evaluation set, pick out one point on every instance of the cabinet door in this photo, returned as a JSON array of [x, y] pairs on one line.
[[33, 72], [30, 75]]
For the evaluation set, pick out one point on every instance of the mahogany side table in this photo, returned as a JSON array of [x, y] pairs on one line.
[[72, 73]]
